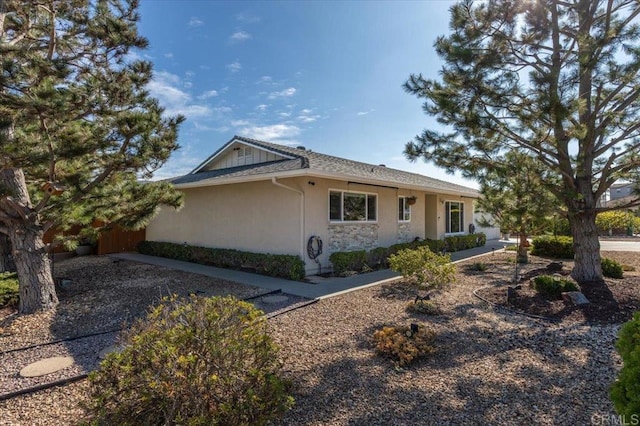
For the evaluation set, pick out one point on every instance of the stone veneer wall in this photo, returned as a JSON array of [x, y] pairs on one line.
[[404, 233], [353, 237]]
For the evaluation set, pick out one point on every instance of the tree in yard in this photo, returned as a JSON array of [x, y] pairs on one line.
[[515, 198], [77, 129], [557, 80]]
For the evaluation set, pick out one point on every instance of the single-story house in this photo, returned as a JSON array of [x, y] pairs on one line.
[[264, 197]]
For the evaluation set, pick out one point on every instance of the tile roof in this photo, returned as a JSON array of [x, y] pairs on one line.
[[324, 164]]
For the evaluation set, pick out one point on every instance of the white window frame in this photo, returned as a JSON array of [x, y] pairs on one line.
[[342, 192], [404, 199], [447, 213]]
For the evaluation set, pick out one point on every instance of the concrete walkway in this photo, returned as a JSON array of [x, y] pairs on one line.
[[323, 288]]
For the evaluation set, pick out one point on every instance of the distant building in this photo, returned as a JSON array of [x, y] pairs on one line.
[[620, 190]]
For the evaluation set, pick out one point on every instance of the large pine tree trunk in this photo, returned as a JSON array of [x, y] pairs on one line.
[[6, 261], [37, 289], [586, 245]]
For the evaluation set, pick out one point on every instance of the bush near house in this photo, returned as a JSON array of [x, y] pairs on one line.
[[274, 265], [557, 247], [424, 267], [625, 392], [8, 289], [611, 268], [552, 287], [378, 258], [619, 222], [199, 361]]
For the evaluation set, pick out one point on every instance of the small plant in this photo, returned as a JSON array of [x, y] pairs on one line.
[[611, 268], [552, 287], [424, 267], [555, 247], [625, 392], [8, 289], [404, 344], [424, 307], [479, 266], [199, 361]]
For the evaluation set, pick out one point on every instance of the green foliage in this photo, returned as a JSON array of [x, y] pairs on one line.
[[508, 86], [552, 287], [617, 221], [8, 289], [402, 345], [625, 392], [423, 307], [560, 226], [424, 267], [478, 266], [275, 265], [611, 268], [558, 247], [378, 258], [202, 361], [348, 261]]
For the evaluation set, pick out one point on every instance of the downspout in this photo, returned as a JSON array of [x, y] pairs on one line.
[[276, 183]]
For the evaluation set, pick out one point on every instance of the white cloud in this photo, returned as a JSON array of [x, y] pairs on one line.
[[265, 79], [283, 94], [165, 88], [262, 107], [208, 94], [168, 55], [365, 112], [306, 116], [275, 132], [240, 36], [234, 66], [284, 114], [195, 22], [236, 123], [188, 84], [223, 109], [247, 18]]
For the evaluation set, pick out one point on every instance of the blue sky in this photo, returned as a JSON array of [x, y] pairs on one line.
[[326, 75]]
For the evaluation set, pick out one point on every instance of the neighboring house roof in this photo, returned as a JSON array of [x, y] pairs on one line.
[[302, 162]]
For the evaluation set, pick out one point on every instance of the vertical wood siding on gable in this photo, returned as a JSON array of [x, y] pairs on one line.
[[232, 159]]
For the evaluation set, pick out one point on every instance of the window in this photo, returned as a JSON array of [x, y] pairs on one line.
[[352, 207], [404, 209], [454, 216]]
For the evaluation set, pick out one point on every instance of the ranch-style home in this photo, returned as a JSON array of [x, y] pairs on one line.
[[264, 197]]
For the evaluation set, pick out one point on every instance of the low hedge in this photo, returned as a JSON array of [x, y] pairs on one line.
[[377, 258], [274, 265], [558, 247]]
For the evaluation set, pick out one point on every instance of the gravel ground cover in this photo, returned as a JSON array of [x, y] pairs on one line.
[[490, 366]]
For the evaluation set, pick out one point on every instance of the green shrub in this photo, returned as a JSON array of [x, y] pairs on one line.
[[198, 362], [617, 221], [403, 345], [552, 287], [478, 266], [8, 289], [424, 267], [275, 265], [344, 261], [611, 268], [424, 307], [625, 392], [556, 247]]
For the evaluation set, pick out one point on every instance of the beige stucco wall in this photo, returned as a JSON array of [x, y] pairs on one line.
[[257, 217], [262, 217]]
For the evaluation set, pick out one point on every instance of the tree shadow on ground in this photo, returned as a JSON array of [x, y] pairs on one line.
[[482, 373]]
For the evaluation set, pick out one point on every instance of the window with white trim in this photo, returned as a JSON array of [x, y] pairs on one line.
[[454, 216], [352, 207], [404, 209]]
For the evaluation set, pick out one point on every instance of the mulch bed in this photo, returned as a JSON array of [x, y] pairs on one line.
[[611, 303]]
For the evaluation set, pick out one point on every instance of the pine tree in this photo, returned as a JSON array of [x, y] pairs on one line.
[[558, 80], [516, 199], [78, 130]]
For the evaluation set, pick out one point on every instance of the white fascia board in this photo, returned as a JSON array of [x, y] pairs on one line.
[[316, 174]]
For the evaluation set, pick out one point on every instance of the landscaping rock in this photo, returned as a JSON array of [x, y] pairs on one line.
[[575, 298]]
